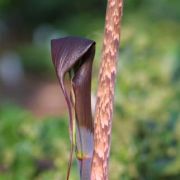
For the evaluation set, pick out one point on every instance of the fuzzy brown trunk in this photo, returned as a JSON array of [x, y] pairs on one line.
[[105, 94]]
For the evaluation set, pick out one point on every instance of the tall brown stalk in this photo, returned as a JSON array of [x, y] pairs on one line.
[[105, 94]]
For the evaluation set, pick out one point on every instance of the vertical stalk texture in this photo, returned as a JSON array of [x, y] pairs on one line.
[[105, 94]]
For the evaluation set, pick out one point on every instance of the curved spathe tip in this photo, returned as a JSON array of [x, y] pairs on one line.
[[66, 52]]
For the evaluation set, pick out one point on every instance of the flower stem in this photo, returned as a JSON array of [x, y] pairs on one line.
[[105, 94]]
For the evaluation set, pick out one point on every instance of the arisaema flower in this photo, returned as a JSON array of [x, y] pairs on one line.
[[73, 56]]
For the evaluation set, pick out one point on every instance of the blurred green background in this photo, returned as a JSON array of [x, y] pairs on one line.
[[34, 141]]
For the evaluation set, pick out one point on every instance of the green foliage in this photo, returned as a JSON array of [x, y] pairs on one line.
[[145, 141], [29, 147], [35, 59]]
